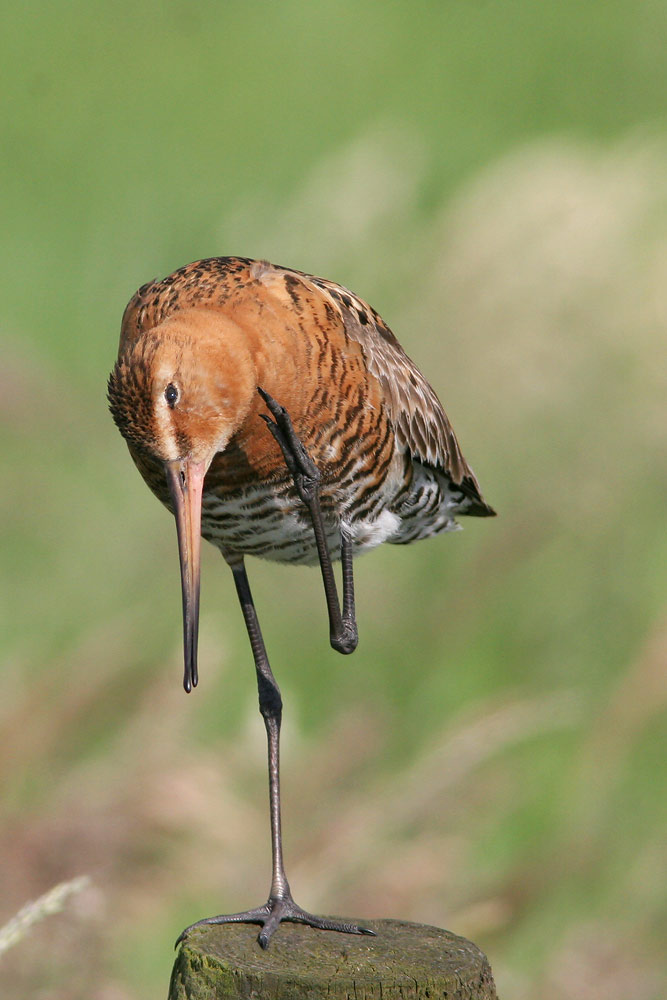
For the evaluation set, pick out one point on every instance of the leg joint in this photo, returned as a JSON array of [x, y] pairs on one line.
[[270, 701]]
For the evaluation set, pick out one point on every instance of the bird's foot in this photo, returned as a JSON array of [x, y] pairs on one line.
[[305, 473], [273, 913], [346, 641]]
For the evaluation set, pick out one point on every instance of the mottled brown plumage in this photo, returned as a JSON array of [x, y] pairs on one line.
[[352, 390], [355, 448]]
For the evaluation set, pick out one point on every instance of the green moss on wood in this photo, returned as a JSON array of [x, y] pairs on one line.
[[404, 962]]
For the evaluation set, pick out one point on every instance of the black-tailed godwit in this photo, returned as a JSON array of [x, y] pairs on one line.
[[276, 414]]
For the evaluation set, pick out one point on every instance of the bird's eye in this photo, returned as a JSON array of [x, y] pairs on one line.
[[171, 395]]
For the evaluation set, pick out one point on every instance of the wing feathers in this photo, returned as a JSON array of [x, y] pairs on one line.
[[420, 423]]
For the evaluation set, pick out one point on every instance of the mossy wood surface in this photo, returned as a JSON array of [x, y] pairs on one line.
[[406, 961]]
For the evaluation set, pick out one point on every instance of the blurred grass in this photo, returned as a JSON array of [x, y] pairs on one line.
[[493, 178]]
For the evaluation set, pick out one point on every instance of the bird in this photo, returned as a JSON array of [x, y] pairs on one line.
[[276, 415]]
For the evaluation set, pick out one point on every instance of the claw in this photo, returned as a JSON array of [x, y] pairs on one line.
[[271, 914], [305, 473]]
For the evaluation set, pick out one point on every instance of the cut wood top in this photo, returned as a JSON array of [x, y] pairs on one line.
[[406, 960]]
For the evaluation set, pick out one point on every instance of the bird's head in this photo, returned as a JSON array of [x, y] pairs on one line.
[[177, 394]]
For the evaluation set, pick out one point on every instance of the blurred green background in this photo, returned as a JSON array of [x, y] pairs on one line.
[[492, 177]]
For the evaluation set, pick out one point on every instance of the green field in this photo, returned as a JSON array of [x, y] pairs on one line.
[[492, 177]]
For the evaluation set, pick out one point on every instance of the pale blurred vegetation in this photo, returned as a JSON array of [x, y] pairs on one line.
[[493, 178]]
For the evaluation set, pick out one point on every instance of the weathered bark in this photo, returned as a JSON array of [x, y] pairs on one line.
[[404, 962]]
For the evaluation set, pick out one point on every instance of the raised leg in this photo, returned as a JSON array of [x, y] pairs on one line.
[[280, 904], [343, 634]]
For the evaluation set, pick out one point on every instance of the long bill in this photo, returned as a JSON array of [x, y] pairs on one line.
[[186, 481]]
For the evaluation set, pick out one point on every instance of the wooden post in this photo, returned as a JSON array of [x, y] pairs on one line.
[[404, 962]]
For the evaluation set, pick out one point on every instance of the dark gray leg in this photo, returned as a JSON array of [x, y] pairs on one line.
[[343, 633], [280, 905]]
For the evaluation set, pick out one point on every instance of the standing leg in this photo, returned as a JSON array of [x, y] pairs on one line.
[[343, 633], [280, 905]]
